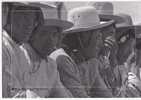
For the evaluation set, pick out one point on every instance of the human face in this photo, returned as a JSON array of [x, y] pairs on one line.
[[91, 42], [23, 22], [126, 44], [45, 39]]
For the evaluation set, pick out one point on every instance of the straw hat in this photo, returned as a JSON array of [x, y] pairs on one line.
[[85, 19]]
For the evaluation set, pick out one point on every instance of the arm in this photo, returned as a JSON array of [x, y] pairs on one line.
[[69, 75], [59, 90], [99, 88]]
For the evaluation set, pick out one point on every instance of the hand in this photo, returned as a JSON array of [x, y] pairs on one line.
[[109, 41], [133, 81]]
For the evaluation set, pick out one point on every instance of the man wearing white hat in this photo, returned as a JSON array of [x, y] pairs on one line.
[[84, 40]]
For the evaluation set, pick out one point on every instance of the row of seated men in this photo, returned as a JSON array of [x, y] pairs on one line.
[[91, 54]]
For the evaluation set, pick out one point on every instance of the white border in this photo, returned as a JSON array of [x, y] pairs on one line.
[[53, 1]]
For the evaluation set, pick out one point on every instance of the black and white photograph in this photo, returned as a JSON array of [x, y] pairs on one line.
[[67, 49]]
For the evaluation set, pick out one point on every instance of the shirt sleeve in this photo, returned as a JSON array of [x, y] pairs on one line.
[[5, 73], [69, 75]]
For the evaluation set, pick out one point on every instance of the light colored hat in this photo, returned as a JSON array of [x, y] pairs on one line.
[[85, 19], [105, 11]]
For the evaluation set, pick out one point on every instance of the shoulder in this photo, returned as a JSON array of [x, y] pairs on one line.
[[51, 63]]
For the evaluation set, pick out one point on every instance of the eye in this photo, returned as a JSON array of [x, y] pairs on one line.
[[123, 39]]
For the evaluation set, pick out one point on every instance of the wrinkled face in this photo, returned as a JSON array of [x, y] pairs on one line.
[[91, 43], [23, 22], [126, 44], [45, 39]]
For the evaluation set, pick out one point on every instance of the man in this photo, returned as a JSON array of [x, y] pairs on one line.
[[46, 42], [43, 77], [84, 42], [125, 38], [31, 76], [138, 51], [126, 56], [109, 50], [18, 29]]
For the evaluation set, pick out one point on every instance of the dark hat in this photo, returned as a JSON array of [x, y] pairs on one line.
[[50, 13], [125, 25], [106, 11]]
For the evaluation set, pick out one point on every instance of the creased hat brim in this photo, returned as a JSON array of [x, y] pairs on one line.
[[82, 29]]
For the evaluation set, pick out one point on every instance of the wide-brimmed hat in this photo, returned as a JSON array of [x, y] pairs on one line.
[[127, 22], [105, 11], [50, 14], [85, 19], [124, 26]]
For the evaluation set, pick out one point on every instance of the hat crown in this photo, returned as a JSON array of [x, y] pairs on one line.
[[127, 20], [104, 7], [84, 17]]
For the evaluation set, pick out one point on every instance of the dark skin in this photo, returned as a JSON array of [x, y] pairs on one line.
[[94, 40], [88, 44], [126, 44], [45, 40]]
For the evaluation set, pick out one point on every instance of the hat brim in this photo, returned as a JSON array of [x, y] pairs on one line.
[[58, 23], [116, 18], [42, 5], [34, 4], [82, 29], [120, 31], [118, 26]]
